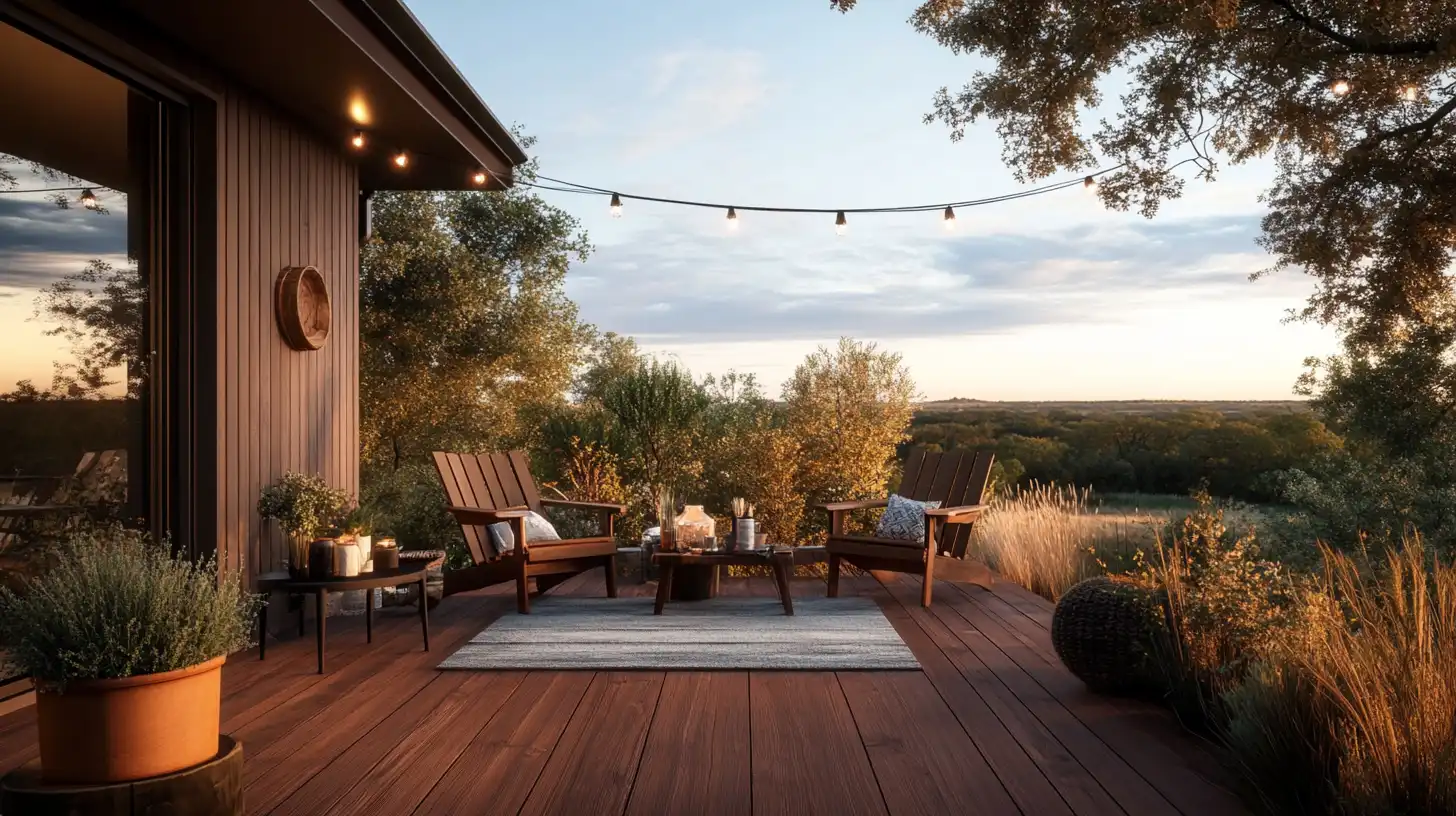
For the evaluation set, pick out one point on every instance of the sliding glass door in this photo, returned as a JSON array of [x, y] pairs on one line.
[[79, 151]]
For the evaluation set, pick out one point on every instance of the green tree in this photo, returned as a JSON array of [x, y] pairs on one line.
[[1396, 410], [656, 415], [611, 357], [1354, 99], [464, 321], [848, 408]]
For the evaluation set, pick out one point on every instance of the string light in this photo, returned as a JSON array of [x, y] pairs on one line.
[[401, 160], [358, 140], [616, 206], [479, 178], [732, 219], [841, 224], [950, 219], [88, 199], [1340, 87]]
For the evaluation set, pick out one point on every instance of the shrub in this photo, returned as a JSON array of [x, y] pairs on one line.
[[410, 503], [1226, 608], [304, 506], [116, 604]]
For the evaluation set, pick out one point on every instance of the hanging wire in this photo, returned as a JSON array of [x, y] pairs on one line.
[[563, 186]]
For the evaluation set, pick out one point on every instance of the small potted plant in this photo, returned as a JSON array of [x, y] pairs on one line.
[[305, 507], [125, 642]]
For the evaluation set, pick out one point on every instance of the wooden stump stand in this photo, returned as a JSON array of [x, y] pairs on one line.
[[214, 788]]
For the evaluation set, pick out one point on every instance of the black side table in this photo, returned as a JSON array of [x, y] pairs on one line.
[[372, 581]]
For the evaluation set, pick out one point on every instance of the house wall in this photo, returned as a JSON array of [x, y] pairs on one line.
[[284, 199]]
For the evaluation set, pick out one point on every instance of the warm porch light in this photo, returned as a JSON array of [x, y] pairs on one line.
[[359, 111], [1340, 87], [616, 206], [401, 160], [732, 219], [950, 219], [841, 224], [479, 178], [88, 199], [358, 140]]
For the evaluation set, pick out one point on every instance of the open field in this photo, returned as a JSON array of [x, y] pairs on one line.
[[1230, 408]]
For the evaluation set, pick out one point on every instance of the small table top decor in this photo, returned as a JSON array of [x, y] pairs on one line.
[[703, 567], [413, 572]]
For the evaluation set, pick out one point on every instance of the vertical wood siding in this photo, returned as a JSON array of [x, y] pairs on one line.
[[284, 199]]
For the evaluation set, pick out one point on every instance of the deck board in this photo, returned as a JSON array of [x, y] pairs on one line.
[[992, 725], [807, 755], [595, 762], [921, 766], [497, 771], [697, 755]]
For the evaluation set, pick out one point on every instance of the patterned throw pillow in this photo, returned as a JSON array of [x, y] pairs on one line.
[[537, 529], [904, 519]]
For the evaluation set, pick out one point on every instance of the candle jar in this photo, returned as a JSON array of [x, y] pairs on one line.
[[693, 525]]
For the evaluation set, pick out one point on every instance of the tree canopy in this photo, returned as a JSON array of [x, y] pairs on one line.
[[464, 320], [1355, 100]]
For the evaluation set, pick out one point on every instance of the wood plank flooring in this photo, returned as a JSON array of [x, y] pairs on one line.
[[992, 725]]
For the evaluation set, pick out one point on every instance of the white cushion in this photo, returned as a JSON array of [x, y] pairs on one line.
[[537, 529], [904, 519]]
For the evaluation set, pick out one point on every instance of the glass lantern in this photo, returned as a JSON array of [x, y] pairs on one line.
[[694, 528]]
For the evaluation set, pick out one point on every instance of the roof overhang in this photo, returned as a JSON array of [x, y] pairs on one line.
[[342, 65]]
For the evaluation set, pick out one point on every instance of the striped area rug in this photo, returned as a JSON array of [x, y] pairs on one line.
[[601, 634]]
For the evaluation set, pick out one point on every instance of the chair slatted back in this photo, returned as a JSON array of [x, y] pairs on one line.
[[486, 481], [955, 479]]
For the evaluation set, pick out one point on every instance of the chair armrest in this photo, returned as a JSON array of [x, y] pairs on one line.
[[957, 515], [615, 508], [840, 507], [478, 515]]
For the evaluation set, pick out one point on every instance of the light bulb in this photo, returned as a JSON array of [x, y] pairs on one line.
[[841, 224], [401, 160], [732, 219], [1089, 183], [358, 140], [616, 206], [1410, 93], [88, 199], [950, 219], [480, 178], [1340, 87]]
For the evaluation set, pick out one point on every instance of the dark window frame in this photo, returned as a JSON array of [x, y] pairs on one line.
[[181, 410]]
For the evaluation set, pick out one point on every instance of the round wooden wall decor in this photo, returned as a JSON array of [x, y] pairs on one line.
[[301, 303]]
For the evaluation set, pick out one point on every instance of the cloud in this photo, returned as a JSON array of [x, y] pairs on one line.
[[39, 242], [782, 284], [693, 92]]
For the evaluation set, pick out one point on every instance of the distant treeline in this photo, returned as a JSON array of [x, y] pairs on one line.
[[1173, 452]]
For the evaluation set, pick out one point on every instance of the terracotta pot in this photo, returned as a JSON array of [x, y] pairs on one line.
[[118, 730]]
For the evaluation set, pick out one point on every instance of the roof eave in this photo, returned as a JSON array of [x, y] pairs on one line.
[[396, 24]]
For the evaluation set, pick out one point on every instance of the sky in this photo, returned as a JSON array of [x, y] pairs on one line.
[[786, 103], [41, 244]]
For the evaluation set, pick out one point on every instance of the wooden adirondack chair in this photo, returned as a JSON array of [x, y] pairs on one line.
[[958, 481], [488, 488]]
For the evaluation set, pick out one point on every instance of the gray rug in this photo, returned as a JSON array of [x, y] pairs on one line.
[[824, 634]]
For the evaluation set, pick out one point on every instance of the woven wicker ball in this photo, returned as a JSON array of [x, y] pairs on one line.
[[1103, 630]]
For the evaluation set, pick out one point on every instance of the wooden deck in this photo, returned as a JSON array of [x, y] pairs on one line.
[[992, 725]]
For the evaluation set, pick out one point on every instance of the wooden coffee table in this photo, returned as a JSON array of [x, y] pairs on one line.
[[407, 573], [782, 562]]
